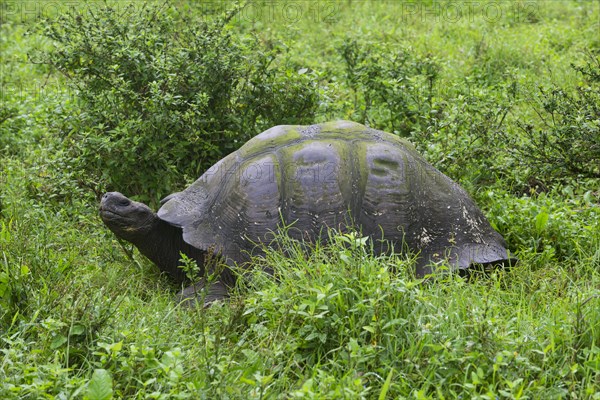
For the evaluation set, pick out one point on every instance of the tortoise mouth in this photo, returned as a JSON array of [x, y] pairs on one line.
[[111, 210], [116, 220], [105, 212], [121, 224]]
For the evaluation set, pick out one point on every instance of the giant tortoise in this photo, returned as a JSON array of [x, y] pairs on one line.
[[310, 178]]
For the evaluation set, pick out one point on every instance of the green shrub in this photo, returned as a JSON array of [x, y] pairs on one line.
[[460, 137], [163, 96], [555, 226], [392, 87], [564, 143], [7, 112], [454, 125]]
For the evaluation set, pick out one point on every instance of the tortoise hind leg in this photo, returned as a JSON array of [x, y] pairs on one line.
[[201, 293]]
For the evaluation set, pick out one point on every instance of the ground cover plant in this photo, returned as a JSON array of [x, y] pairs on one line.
[[503, 97]]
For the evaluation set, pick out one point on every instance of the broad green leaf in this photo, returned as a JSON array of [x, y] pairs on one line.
[[588, 197], [77, 329], [369, 328], [247, 381], [345, 258], [100, 386], [58, 341], [475, 378], [541, 220], [593, 364]]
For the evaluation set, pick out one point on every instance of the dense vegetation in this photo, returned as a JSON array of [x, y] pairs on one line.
[[504, 97]]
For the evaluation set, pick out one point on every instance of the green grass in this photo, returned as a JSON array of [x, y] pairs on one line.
[[83, 316]]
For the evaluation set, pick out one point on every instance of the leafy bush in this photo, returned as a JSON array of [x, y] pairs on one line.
[[162, 96], [455, 127], [565, 142], [461, 137], [559, 225], [392, 87], [6, 114]]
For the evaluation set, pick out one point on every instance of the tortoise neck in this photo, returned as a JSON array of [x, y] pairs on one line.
[[163, 245]]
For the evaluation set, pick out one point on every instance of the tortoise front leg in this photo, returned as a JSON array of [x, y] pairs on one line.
[[201, 293]]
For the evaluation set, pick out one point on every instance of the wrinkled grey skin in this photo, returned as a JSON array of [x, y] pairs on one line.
[[158, 240], [311, 178]]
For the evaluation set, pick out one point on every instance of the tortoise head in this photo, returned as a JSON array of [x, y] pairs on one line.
[[127, 219]]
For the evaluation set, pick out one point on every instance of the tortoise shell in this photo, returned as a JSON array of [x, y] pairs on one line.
[[333, 175]]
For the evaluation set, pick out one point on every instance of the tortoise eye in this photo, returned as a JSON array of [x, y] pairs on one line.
[[124, 202]]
